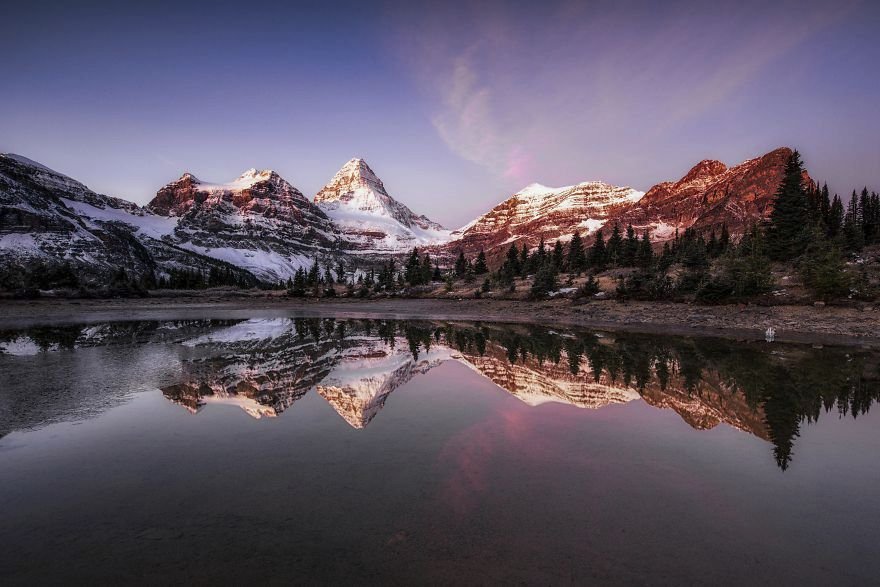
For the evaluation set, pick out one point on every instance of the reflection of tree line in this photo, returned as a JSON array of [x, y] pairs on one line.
[[72, 336], [790, 385]]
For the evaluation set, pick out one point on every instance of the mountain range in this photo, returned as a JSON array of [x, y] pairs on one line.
[[262, 228]]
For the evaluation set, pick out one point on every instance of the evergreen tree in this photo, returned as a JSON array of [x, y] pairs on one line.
[[460, 264], [313, 275], [545, 279], [598, 253], [823, 270], [834, 223], [824, 205], [666, 258], [511, 265], [712, 247], [413, 268], [865, 215], [577, 259], [558, 258], [480, 267], [645, 255], [724, 240], [426, 271], [789, 222], [524, 260], [615, 246], [853, 230], [630, 247], [298, 287]]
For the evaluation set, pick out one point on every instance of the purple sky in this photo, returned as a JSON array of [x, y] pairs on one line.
[[455, 108]]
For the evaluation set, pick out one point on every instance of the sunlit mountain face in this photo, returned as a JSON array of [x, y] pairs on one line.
[[265, 366]]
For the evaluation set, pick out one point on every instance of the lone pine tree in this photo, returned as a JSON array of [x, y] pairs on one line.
[[789, 222]]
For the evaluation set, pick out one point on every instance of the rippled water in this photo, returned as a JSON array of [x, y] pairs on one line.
[[329, 451]]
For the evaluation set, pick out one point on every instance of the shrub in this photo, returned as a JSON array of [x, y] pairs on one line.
[[589, 288], [822, 269], [545, 280]]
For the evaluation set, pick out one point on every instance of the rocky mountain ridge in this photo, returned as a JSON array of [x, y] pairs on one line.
[[539, 211], [258, 221], [47, 218], [709, 195], [262, 225]]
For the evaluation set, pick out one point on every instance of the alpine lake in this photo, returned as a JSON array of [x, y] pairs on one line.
[[326, 451]]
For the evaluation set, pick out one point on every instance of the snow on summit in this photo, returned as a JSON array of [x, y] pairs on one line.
[[357, 202]]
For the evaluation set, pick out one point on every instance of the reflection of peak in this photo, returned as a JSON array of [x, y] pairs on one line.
[[358, 411], [365, 376]]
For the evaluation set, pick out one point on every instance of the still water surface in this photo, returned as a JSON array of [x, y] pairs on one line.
[[329, 451]]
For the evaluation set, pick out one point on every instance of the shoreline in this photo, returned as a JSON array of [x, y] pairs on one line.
[[793, 324]]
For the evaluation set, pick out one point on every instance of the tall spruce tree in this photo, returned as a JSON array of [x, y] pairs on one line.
[[853, 231], [314, 275], [788, 228], [615, 246], [724, 240], [645, 254], [460, 265], [413, 268], [558, 257], [630, 247], [524, 260], [577, 259], [511, 263], [598, 253], [835, 217], [480, 267], [426, 270]]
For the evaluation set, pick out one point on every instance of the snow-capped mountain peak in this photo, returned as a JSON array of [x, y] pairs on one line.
[[358, 203], [358, 186]]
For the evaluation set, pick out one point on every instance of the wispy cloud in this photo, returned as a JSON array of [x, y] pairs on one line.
[[575, 86], [467, 122]]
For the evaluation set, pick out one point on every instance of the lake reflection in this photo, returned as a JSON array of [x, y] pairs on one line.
[[445, 426]]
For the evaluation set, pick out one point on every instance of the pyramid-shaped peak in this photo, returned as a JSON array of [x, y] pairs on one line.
[[354, 176], [358, 168]]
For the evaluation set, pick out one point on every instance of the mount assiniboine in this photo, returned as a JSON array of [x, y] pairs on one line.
[[369, 218], [262, 228]]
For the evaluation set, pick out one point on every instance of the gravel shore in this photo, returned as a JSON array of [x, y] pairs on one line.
[[804, 324]]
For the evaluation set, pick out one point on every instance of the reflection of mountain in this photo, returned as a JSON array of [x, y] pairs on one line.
[[366, 374], [262, 366], [265, 366], [269, 364], [356, 365]]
